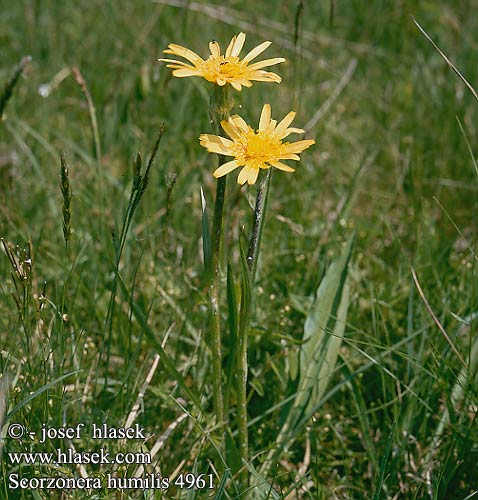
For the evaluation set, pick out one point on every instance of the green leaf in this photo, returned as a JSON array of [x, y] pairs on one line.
[[293, 364], [260, 488], [300, 303], [232, 306], [221, 488], [206, 236], [233, 458], [384, 461], [246, 291], [323, 332], [232, 344], [322, 316], [327, 347]]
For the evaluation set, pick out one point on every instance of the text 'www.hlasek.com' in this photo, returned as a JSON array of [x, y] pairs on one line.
[[143, 476]]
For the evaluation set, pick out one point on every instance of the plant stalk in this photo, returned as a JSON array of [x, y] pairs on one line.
[[221, 105], [246, 311], [258, 225]]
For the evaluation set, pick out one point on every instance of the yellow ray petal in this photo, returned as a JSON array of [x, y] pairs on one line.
[[265, 117], [179, 50], [236, 85], [252, 178], [215, 48], [225, 168], [182, 73], [247, 174], [292, 130], [264, 76], [284, 123], [216, 144], [231, 130], [290, 157], [297, 147], [230, 47], [256, 51], [175, 61], [244, 82], [217, 139], [238, 44], [266, 62], [182, 66], [282, 166], [239, 122]]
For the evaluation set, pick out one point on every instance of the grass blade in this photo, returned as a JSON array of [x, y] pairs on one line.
[[261, 489], [7, 91], [150, 336], [33, 395], [450, 64], [383, 463]]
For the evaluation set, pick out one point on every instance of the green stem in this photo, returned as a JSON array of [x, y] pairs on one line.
[[259, 214], [247, 306], [214, 306], [242, 382], [220, 108]]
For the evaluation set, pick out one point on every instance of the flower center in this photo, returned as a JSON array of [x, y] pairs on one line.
[[256, 148], [219, 67]]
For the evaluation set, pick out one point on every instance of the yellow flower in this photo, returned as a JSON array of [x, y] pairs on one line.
[[227, 68], [254, 150]]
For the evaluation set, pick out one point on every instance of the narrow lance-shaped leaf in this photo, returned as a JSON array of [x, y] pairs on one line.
[[232, 305], [323, 333], [206, 237], [246, 287]]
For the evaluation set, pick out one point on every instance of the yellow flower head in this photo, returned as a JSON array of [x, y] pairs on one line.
[[254, 150], [227, 68]]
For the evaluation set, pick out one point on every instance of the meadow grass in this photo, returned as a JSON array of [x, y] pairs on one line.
[[81, 324]]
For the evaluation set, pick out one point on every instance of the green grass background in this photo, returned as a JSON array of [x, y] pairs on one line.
[[390, 162]]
